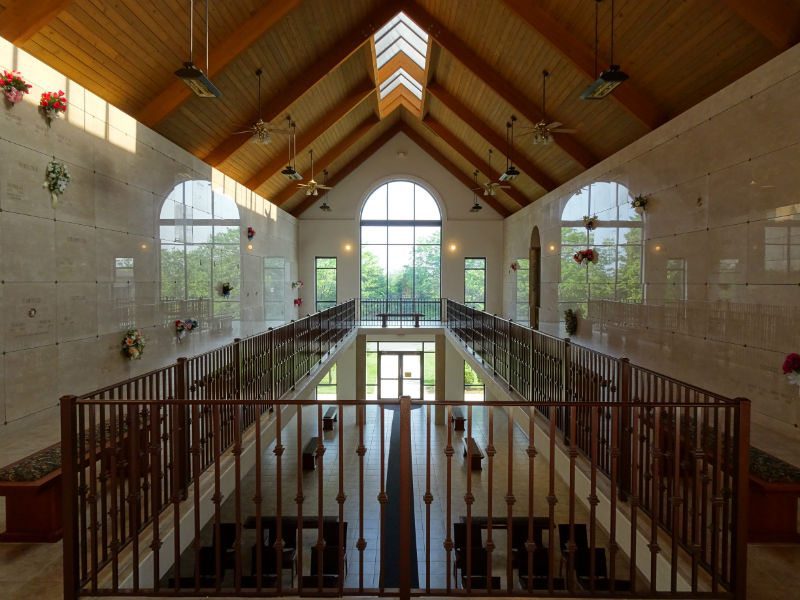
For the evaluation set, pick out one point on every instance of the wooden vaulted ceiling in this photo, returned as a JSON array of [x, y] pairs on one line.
[[484, 63]]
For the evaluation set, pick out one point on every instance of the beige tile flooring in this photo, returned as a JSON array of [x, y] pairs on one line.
[[34, 570]]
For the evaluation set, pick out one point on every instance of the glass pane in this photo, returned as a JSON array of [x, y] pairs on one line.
[[430, 392], [425, 207], [372, 368], [412, 366], [412, 388], [401, 235], [201, 234], [198, 271], [227, 234], [603, 236], [390, 388], [373, 272], [603, 270], [225, 208], [375, 206], [428, 235], [390, 366], [326, 285], [401, 272], [172, 271], [401, 346], [603, 199], [429, 375], [326, 263], [576, 207], [226, 267], [401, 200], [427, 284], [474, 263], [373, 235], [225, 308], [372, 392]]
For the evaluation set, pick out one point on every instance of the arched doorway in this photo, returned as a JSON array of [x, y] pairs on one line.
[[535, 281]]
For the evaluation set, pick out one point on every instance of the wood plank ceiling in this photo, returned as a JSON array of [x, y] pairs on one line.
[[484, 63]]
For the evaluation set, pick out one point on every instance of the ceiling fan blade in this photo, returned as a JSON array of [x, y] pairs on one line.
[[250, 131], [559, 130], [554, 125]]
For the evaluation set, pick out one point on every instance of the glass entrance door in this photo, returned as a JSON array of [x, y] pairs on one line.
[[400, 374]]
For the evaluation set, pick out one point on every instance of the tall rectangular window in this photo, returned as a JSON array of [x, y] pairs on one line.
[[522, 314], [474, 389], [676, 280], [326, 388], [325, 282], [475, 283]]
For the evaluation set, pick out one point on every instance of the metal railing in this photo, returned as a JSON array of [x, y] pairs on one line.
[[666, 470], [430, 311]]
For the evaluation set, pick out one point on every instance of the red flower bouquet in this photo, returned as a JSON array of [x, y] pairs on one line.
[[251, 233], [14, 86], [791, 368], [53, 104], [298, 301], [587, 256]]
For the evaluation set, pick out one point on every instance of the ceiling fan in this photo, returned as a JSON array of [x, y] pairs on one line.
[[476, 206], [312, 186], [489, 187], [542, 131], [261, 131]]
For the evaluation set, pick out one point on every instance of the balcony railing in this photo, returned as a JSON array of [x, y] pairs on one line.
[[430, 311], [601, 478]]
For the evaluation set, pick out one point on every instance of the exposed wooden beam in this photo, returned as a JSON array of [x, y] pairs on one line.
[[400, 96], [776, 20], [22, 19], [307, 137], [448, 165], [351, 166], [488, 134], [326, 159], [280, 103], [634, 100], [239, 40], [479, 163], [488, 74]]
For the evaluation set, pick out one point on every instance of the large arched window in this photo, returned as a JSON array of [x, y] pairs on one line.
[[200, 249], [401, 236], [617, 238]]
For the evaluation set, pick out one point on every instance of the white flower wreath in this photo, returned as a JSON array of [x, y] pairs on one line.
[[56, 179]]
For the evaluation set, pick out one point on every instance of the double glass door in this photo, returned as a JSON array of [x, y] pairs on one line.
[[400, 374]]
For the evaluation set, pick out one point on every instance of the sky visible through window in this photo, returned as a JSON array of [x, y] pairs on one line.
[[401, 35]]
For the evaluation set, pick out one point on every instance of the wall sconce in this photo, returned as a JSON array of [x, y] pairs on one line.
[[144, 246], [348, 247], [552, 247], [249, 246], [453, 247], [657, 248]]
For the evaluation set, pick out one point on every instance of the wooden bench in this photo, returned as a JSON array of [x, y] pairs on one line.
[[328, 419], [471, 449], [457, 416], [385, 317], [310, 454]]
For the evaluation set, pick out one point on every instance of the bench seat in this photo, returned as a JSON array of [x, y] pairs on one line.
[[331, 415], [310, 454], [384, 317], [474, 453]]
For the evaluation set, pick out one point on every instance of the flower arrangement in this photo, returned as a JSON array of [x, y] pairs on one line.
[[53, 104], [297, 284], [584, 257], [590, 222], [514, 266], [225, 289], [251, 233], [181, 327], [791, 368], [639, 204], [56, 179], [14, 86], [571, 321], [133, 344], [298, 301]]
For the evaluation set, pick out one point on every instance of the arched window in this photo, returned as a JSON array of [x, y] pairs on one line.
[[617, 275], [401, 237], [200, 249]]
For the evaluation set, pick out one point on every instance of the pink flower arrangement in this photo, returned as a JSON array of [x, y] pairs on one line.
[[298, 301], [14, 86], [514, 266], [53, 104], [587, 256], [791, 368]]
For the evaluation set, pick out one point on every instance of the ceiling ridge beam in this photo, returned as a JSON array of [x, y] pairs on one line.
[[351, 166], [466, 152], [363, 91], [487, 133], [240, 39], [448, 165], [629, 96], [22, 19], [276, 106], [322, 162], [499, 85], [776, 20]]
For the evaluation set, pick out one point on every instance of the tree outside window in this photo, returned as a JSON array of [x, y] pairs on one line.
[[475, 283], [325, 282], [522, 313]]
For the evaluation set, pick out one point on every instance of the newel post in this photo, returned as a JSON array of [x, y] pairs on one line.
[[182, 444], [69, 495], [625, 431], [741, 505]]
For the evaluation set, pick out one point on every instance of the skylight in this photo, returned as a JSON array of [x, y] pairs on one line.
[[401, 38]]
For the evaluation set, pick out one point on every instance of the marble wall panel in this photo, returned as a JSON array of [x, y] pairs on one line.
[[30, 317], [77, 311], [28, 251], [75, 258], [31, 381]]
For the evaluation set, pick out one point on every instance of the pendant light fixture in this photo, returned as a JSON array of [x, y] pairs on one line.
[[476, 206], [290, 172], [612, 77], [325, 207], [511, 171], [192, 75]]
